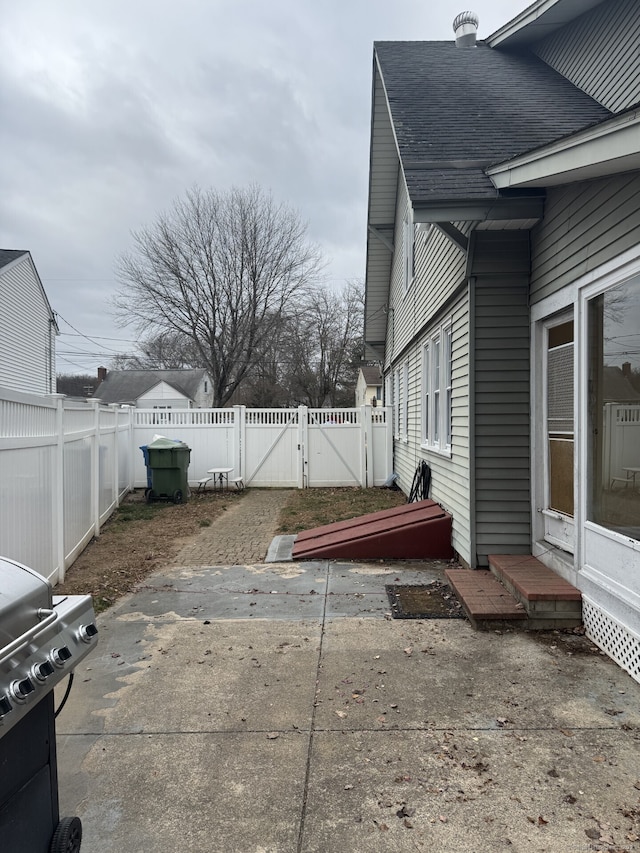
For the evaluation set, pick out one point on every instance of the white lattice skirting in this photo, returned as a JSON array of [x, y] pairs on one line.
[[621, 644]]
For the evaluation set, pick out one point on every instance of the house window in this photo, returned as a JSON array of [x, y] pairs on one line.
[[408, 235], [436, 390], [206, 387], [404, 426], [613, 432]]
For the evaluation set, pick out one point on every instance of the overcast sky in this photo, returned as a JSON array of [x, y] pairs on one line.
[[110, 109]]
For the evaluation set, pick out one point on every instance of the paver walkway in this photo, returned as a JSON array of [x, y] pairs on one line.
[[241, 535]]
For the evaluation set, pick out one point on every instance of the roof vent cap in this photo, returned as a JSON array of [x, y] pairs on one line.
[[465, 26]]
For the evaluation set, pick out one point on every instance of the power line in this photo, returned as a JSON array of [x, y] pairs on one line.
[[86, 337], [97, 337]]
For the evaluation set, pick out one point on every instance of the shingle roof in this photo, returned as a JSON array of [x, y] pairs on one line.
[[457, 110], [9, 255], [617, 388], [126, 386], [372, 374]]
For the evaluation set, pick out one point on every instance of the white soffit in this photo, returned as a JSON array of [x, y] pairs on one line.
[[595, 152], [539, 20]]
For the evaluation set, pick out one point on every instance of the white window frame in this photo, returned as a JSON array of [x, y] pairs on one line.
[[404, 414], [437, 394], [396, 403], [408, 249]]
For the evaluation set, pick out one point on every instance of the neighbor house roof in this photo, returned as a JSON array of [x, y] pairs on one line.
[[372, 374], [617, 387], [455, 111], [9, 255], [126, 386]]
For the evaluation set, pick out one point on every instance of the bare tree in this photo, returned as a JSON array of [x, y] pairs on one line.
[[221, 270], [325, 347], [163, 351]]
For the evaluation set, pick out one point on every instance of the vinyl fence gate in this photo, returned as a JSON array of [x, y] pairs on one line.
[[286, 448]]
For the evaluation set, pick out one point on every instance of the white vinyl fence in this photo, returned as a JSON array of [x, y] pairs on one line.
[[286, 448], [621, 440], [65, 465]]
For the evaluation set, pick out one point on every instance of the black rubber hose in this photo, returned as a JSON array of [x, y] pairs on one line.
[[66, 695], [421, 483]]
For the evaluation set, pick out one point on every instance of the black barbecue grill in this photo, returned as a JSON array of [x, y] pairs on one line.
[[42, 639]]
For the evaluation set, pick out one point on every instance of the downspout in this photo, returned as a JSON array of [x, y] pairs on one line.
[[472, 421], [471, 279]]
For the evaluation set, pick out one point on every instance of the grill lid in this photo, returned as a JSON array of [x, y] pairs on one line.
[[23, 592]]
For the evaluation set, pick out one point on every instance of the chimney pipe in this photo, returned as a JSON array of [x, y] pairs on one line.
[[626, 369], [102, 374], [465, 26]]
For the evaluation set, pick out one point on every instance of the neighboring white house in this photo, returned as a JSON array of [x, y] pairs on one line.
[[156, 389], [369, 386], [28, 327], [503, 290]]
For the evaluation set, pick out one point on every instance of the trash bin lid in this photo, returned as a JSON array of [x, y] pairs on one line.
[[162, 443]]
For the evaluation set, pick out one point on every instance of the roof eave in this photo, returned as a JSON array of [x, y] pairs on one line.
[[526, 207], [538, 21], [605, 149]]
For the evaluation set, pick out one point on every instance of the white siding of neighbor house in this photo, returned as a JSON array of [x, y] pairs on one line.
[[500, 284], [599, 53], [27, 333], [204, 394], [365, 393], [585, 225], [161, 395]]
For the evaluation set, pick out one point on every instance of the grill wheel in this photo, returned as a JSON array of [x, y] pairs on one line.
[[68, 836]]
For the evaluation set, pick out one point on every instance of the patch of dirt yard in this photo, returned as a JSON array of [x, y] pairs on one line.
[[138, 539]]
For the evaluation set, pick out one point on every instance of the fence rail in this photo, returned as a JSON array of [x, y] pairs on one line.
[[621, 440], [66, 465]]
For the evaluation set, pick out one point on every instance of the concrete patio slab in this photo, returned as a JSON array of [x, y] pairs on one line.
[[190, 676], [453, 790], [182, 791], [196, 725], [441, 673]]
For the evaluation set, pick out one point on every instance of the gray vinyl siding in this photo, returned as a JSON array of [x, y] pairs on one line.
[[600, 54], [450, 481], [439, 272], [384, 170], [439, 267], [501, 458], [585, 225], [27, 339]]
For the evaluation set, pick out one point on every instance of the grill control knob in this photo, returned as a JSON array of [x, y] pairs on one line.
[[5, 706], [61, 656], [21, 689], [43, 670], [87, 632]]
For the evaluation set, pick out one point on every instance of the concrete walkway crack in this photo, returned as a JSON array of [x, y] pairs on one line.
[[305, 793]]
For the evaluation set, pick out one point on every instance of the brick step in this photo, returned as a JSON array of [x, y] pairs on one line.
[[549, 600], [485, 601]]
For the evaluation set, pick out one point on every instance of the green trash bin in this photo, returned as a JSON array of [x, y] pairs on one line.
[[168, 461]]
